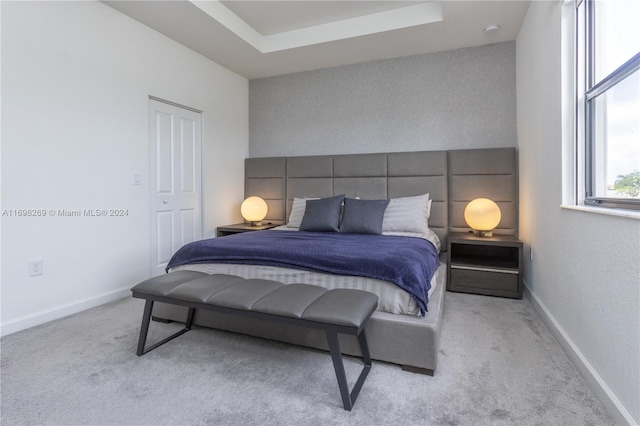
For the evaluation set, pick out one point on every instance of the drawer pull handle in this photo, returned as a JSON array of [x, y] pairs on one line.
[[482, 269]]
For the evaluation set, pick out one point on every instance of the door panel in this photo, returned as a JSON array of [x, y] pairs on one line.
[[164, 242], [188, 226], [187, 156], [164, 150], [175, 142]]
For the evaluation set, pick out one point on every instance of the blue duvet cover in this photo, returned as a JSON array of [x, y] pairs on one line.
[[407, 262]]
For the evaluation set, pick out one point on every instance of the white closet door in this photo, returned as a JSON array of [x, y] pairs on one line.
[[175, 136]]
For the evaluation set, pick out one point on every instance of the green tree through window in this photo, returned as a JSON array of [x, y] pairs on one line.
[[628, 184]]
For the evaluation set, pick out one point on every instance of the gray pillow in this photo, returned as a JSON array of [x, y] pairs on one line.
[[322, 215], [363, 216]]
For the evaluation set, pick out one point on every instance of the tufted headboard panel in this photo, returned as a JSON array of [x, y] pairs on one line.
[[488, 173], [452, 178]]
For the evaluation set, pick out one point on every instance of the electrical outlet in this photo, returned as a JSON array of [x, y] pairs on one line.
[[35, 267]]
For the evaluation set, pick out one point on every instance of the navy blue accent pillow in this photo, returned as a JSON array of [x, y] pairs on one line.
[[363, 216], [322, 215]]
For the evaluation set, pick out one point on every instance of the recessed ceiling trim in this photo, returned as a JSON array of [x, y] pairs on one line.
[[404, 17], [231, 21], [410, 16]]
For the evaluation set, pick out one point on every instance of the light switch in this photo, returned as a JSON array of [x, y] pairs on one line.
[[35, 267]]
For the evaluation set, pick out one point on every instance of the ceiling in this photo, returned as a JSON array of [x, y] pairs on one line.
[[267, 38]]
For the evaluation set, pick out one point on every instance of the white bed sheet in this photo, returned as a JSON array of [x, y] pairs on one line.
[[391, 298]]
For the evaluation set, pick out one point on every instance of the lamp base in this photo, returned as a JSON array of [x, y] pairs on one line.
[[259, 223], [483, 233]]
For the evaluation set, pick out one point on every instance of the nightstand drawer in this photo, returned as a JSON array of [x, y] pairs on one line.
[[484, 282]]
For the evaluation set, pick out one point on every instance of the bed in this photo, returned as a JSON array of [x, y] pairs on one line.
[[404, 330]]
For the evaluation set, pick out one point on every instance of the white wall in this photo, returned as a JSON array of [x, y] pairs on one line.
[[76, 77], [585, 273]]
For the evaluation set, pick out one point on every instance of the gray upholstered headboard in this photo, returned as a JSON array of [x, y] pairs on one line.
[[452, 178]]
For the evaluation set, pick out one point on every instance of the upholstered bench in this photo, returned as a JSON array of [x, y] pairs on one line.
[[334, 311]]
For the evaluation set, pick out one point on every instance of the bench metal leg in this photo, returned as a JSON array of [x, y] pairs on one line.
[[348, 399], [144, 329], [159, 319]]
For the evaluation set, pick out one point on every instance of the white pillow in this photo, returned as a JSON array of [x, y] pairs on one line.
[[407, 214], [297, 211]]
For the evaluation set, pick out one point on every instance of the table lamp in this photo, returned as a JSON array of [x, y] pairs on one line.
[[483, 216], [253, 210]]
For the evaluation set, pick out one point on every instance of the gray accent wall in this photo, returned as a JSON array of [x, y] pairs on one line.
[[458, 99]]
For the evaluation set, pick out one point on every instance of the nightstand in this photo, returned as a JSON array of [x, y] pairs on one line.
[[484, 265], [237, 228]]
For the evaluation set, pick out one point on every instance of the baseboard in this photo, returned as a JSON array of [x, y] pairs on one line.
[[42, 317], [608, 399]]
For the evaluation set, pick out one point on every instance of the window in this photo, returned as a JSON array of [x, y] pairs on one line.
[[608, 101]]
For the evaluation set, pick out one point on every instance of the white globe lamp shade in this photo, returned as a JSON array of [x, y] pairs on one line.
[[253, 210], [483, 216]]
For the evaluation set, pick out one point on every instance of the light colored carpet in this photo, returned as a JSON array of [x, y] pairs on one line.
[[498, 365]]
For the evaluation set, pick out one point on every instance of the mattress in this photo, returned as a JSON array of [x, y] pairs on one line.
[[391, 298]]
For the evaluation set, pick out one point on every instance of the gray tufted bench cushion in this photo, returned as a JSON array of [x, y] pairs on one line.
[[334, 311]]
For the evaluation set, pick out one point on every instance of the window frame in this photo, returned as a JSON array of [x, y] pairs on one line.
[[587, 91]]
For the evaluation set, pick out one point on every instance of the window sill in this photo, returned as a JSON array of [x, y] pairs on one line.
[[604, 210]]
